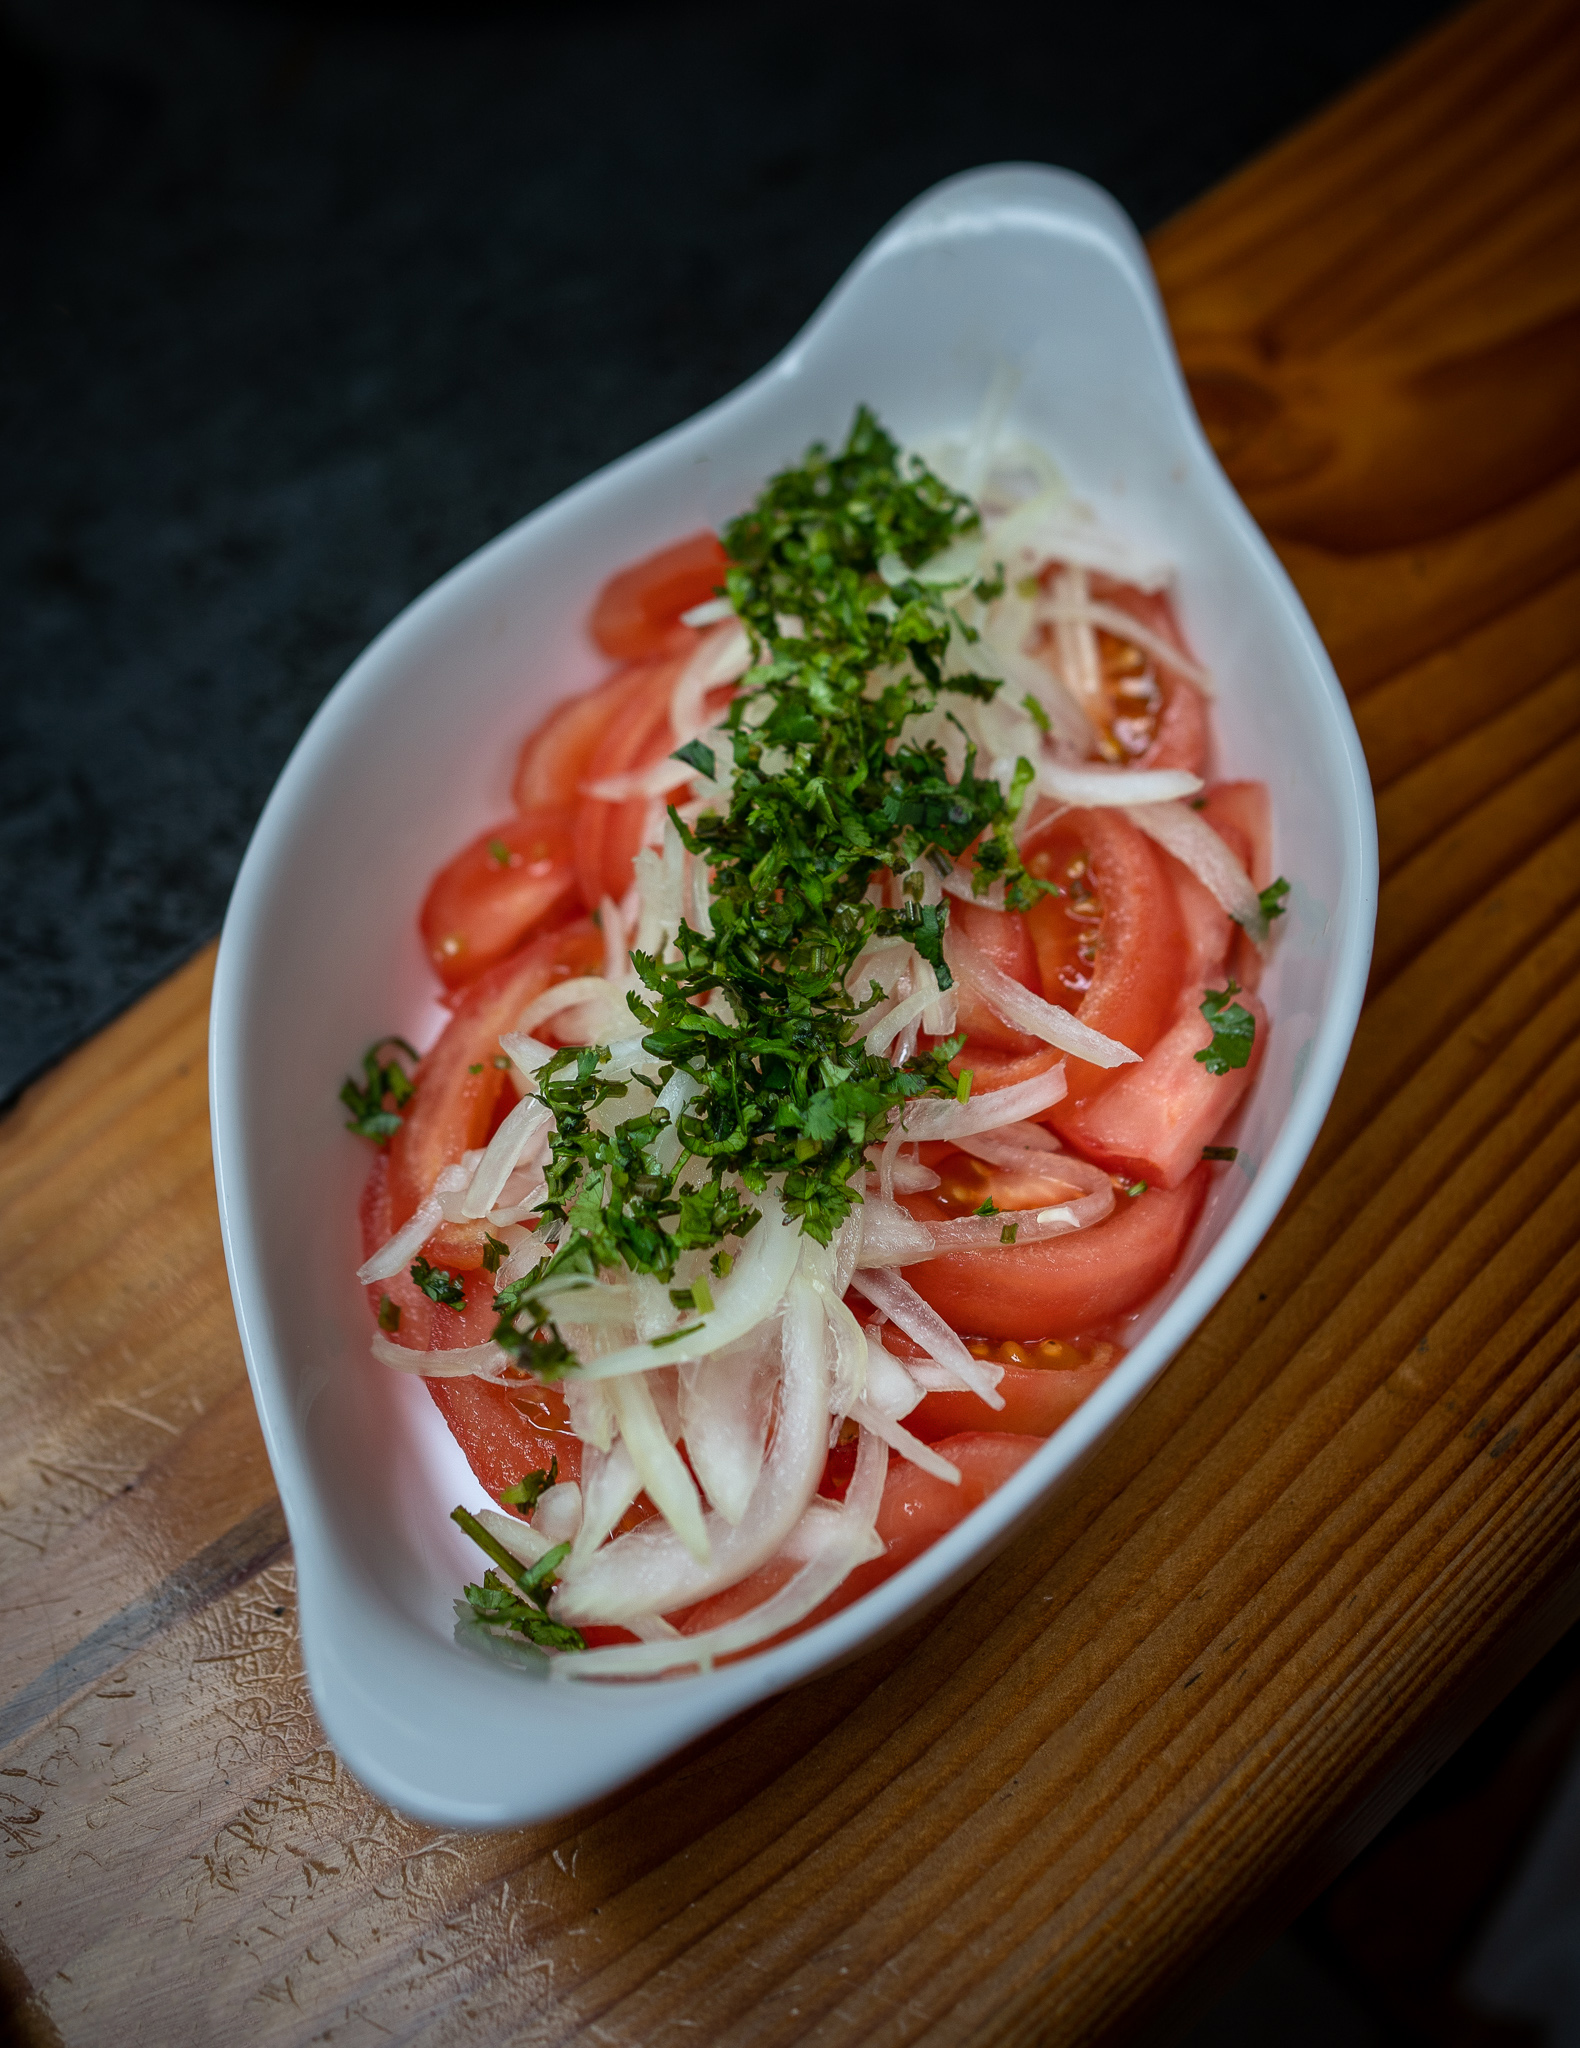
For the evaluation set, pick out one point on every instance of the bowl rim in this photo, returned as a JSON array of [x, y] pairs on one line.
[[1051, 201]]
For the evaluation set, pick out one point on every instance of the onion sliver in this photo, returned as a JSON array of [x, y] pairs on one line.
[[609, 1485], [753, 1290], [1187, 835], [922, 1323], [1022, 1144], [403, 1247], [649, 1571], [505, 1147], [466, 1361], [659, 1466], [928, 1119], [1061, 611], [848, 1539], [899, 1438], [1025, 1012], [1097, 788], [565, 995], [519, 1538]]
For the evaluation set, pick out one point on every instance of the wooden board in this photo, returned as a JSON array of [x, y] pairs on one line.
[[1343, 1523]]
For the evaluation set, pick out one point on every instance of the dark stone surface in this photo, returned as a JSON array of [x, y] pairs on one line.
[[300, 305]]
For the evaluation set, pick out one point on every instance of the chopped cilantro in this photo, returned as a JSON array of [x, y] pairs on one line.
[[696, 755], [1228, 1153], [1272, 900], [1009, 1233], [1036, 714], [1136, 1187], [439, 1284], [495, 1252], [516, 1596], [988, 1208], [389, 1313], [382, 1080], [531, 1487], [476, 1067], [698, 1296], [499, 853], [1233, 1030]]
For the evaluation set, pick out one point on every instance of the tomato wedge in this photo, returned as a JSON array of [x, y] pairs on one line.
[[511, 881], [1110, 948], [1153, 1123], [1065, 1286], [552, 765], [610, 835], [1004, 937], [637, 607], [459, 1080], [506, 1434]]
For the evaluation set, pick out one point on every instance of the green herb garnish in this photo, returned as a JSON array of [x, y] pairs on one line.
[[389, 1313], [516, 1596], [495, 1252], [531, 1487], [499, 853], [439, 1284], [1228, 1153], [1233, 1030], [381, 1080], [1272, 900]]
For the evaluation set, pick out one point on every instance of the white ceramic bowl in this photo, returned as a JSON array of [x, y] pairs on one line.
[[410, 755]]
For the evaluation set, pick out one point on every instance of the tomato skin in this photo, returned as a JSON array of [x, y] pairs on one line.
[[1036, 1402], [637, 606], [1137, 968], [1181, 737], [1065, 1286], [504, 1436], [480, 908], [610, 835], [552, 765], [1154, 1122], [454, 1106]]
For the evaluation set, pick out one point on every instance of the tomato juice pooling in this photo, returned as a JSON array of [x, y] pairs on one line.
[[842, 1030]]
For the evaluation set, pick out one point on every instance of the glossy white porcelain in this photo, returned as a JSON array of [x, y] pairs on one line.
[[411, 754]]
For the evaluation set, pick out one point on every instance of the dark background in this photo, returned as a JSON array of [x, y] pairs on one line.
[[299, 305]]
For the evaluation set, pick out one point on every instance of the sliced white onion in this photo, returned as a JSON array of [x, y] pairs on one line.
[[724, 656], [1094, 787], [529, 1117], [397, 1254], [648, 1570], [1023, 1011], [557, 1518], [609, 1485], [658, 778], [931, 1119], [464, 1361], [564, 995], [900, 1439], [899, 1301], [753, 1290], [1187, 835], [838, 1541], [659, 1465], [1023, 1144], [521, 1539], [526, 1054], [1113, 619], [708, 613], [725, 1404], [891, 1236]]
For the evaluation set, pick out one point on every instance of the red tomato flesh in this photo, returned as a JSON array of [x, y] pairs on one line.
[[1065, 1286], [1003, 936], [504, 1434], [1111, 948], [513, 880], [610, 835], [637, 607]]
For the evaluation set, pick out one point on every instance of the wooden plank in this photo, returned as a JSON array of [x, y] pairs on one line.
[[1346, 1518]]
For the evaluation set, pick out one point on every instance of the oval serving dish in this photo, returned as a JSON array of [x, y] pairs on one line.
[[1017, 269]]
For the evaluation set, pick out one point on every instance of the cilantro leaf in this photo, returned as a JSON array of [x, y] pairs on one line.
[[531, 1487], [1233, 1030], [389, 1313], [382, 1081], [1272, 900], [439, 1284], [696, 755]]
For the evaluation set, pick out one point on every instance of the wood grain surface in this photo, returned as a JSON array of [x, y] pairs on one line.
[[1345, 1520]]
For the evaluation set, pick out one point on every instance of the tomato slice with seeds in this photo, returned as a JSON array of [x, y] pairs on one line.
[[514, 879], [1004, 937], [552, 765], [1111, 947], [636, 608], [610, 835], [1065, 1286]]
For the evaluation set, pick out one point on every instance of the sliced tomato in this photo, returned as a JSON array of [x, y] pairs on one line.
[[1110, 948], [1065, 1286], [1172, 731], [507, 1434], [1003, 936], [636, 608], [512, 881], [552, 765], [1153, 1123], [915, 1511], [1042, 1386], [610, 835], [459, 1079]]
